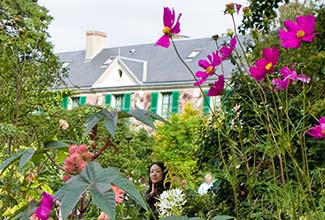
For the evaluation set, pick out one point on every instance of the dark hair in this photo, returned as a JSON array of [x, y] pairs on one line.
[[162, 185]]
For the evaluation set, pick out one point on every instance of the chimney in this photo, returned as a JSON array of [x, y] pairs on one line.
[[95, 42]]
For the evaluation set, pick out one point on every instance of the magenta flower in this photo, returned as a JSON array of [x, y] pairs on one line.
[[318, 131], [265, 65], [44, 210], [218, 86], [289, 77], [296, 33], [226, 51], [209, 66], [170, 27]]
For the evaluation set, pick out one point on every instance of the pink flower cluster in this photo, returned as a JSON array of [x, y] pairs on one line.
[[119, 194], [76, 162]]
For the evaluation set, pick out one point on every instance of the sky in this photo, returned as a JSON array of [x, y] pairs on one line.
[[129, 22]]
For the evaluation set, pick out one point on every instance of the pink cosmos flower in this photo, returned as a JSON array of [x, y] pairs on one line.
[[318, 131], [170, 27], [44, 210], [266, 64], [289, 77], [209, 67], [225, 51], [303, 30], [218, 86]]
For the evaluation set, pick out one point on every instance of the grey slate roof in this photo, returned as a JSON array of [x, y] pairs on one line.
[[163, 65]]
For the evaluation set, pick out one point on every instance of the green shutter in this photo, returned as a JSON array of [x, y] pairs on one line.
[[65, 103], [154, 102], [175, 96], [82, 100], [206, 103], [127, 102], [108, 99]]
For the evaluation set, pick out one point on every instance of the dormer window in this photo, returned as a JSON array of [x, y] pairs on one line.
[[193, 54], [131, 51], [107, 62]]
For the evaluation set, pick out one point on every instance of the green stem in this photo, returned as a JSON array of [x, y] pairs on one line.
[[193, 75]]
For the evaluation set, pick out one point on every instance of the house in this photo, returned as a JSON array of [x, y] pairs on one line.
[[138, 76]]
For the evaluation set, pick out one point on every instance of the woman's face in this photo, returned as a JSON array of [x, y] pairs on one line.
[[156, 173]]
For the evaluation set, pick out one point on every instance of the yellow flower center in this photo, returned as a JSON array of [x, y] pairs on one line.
[[268, 66], [166, 30], [209, 70], [323, 132], [300, 34]]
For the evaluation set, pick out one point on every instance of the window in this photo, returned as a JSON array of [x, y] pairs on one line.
[[107, 62], [66, 64], [78, 101], [119, 102], [193, 54], [166, 107], [122, 102]]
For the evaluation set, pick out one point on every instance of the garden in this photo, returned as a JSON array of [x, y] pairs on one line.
[[262, 144]]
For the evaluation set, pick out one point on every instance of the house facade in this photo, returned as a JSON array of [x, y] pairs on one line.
[[138, 76]]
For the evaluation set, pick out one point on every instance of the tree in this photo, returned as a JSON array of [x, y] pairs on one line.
[[28, 66]]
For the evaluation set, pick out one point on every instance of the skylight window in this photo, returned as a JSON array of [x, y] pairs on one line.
[[66, 64], [193, 54], [107, 62]]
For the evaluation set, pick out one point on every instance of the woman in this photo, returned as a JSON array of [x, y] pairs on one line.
[[157, 174]]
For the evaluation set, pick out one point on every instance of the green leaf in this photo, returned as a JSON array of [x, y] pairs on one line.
[[70, 194], [97, 181], [131, 190], [28, 153], [222, 217], [52, 145], [110, 120], [10, 161], [175, 218], [104, 197], [91, 121], [146, 117], [25, 215], [196, 218]]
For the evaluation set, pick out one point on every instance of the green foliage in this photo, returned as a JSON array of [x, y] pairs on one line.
[[263, 14], [28, 66], [263, 157], [97, 181], [175, 144]]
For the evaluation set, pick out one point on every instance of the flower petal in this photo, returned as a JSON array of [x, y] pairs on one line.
[[176, 29], [218, 86], [163, 41], [169, 16]]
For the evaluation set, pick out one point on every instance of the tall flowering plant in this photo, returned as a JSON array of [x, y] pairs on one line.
[[265, 141]]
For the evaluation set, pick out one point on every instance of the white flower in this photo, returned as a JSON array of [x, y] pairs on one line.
[[171, 202], [64, 124]]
